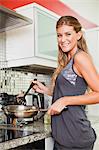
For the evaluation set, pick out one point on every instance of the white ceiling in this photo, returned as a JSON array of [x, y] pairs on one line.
[[89, 9]]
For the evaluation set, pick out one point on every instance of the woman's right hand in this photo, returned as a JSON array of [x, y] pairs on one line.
[[40, 88]]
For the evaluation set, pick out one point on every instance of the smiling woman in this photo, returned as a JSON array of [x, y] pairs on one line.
[[74, 74]]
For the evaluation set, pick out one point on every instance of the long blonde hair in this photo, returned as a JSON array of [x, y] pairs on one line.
[[62, 56]]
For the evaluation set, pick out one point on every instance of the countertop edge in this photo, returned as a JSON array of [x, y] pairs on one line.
[[24, 140]]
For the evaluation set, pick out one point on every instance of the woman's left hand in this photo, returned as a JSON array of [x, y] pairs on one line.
[[56, 107]]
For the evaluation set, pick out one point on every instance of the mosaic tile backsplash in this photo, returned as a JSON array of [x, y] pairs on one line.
[[13, 82]]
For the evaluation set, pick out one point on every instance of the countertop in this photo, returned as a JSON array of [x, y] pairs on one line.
[[40, 130]]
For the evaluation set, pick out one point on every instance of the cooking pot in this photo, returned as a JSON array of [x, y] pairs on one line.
[[21, 111]]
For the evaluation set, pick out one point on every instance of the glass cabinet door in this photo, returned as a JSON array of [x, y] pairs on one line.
[[45, 35]]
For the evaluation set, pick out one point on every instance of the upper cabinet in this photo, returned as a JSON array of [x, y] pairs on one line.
[[35, 44], [45, 35]]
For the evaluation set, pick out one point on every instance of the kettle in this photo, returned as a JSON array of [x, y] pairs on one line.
[[36, 100]]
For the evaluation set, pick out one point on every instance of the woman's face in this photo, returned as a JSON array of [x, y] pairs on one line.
[[67, 38]]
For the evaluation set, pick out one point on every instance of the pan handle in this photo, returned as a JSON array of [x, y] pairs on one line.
[[43, 109], [46, 109]]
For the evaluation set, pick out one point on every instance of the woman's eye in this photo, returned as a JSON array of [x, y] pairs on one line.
[[58, 35], [68, 34]]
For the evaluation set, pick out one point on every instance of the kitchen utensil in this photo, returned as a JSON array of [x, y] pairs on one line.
[[21, 99], [21, 111]]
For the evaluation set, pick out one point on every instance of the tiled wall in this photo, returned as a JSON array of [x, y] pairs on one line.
[[15, 81]]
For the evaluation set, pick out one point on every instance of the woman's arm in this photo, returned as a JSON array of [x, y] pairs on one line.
[[84, 66]]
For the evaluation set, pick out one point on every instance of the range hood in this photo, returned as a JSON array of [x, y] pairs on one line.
[[9, 19], [33, 69]]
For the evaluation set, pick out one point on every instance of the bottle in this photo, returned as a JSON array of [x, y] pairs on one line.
[[47, 119]]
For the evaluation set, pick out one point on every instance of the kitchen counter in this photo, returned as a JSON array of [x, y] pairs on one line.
[[38, 129]]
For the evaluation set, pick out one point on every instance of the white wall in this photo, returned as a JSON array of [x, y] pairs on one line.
[[92, 38]]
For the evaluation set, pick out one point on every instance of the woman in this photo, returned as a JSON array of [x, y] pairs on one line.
[[71, 129]]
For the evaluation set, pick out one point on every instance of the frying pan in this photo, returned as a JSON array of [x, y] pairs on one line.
[[21, 111]]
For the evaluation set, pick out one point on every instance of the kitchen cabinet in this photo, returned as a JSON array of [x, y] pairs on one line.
[[2, 50], [45, 40], [35, 44]]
